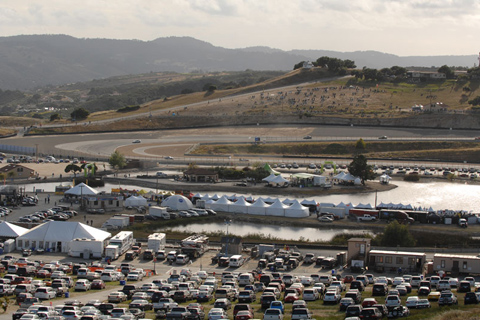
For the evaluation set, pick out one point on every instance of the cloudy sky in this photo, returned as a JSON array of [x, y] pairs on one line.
[[402, 27]]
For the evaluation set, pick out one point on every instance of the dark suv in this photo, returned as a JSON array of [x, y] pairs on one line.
[[464, 286], [357, 284], [371, 313], [379, 289], [353, 311], [471, 298]]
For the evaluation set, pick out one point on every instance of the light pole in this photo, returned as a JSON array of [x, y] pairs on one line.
[[227, 223]]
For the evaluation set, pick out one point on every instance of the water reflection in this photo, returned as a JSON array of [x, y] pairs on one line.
[[273, 231]]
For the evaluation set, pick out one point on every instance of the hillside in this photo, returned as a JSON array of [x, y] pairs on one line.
[[32, 61]]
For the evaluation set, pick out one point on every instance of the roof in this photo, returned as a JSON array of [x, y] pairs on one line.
[[200, 172], [61, 231], [81, 189], [9, 230], [398, 253], [12, 166], [231, 240], [454, 256], [359, 239]]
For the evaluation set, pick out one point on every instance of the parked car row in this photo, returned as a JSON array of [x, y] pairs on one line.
[[60, 213]]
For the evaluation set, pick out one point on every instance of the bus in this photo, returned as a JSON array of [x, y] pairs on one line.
[[123, 240]]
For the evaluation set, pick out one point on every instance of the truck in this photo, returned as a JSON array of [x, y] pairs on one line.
[[85, 248], [117, 222], [194, 246], [159, 212], [112, 252], [366, 217], [157, 241], [399, 215], [357, 213]]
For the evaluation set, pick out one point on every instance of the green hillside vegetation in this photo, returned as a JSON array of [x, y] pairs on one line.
[[467, 151]]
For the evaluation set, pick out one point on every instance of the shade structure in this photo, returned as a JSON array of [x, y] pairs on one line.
[[215, 197], [81, 189], [259, 207], [288, 201], [269, 178], [10, 230], [279, 181], [363, 206], [276, 209], [206, 197], [135, 201], [57, 235], [177, 202], [240, 206], [296, 210], [221, 204], [306, 202]]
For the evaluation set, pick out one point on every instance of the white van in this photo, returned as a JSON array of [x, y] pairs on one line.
[[182, 259], [245, 279], [236, 261]]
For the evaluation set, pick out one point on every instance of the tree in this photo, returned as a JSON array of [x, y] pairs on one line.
[[360, 144], [475, 101], [350, 64], [73, 168], [322, 61], [212, 88], [298, 65], [117, 160], [448, 71], [396, 234], [55, 116], [79, 114], [360, 168]]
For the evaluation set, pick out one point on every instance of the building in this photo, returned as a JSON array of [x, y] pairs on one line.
[[14, 170], [201, 175], [358, 249], [381, 261], [102, 201], [456, 264], [425, 75], [307, 65], [231, 245]]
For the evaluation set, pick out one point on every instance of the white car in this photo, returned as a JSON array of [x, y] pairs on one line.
[[332, 297], [135, 276], [393, 301], [273, 314], [217, 314], [307, 281], [412, 302], [137, 141], [397, 281], [45, 293], [310, 295], [83, 285]]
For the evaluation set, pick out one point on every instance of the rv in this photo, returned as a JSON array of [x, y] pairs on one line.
[[194, 246], [159, 212], [86, 248], [157, 241], [123, 240]]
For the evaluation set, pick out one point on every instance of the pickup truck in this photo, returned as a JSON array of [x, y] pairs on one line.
[[164, 304], [366, 217]]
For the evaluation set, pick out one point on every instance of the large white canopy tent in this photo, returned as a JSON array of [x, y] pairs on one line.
[[221, 204], [259, 207], [276, 209], [279, 181], [240, 206], [296, 210], [57, 235], [135, 201], [10, 230], [81, 189], [177, 202]]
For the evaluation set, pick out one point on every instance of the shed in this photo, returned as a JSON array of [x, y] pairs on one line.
[[382, 261], [456, 264], [231, 245]]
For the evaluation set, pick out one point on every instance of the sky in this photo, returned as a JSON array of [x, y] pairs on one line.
[[401, 27]]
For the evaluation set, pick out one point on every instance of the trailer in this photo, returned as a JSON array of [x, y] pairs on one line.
[[160, 212], [86, 248], [359, 213], [116, 222], [157, 241], [112, 252], [194, 246], [338, 212]]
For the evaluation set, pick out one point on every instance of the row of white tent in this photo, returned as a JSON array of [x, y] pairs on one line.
[[259, 207]]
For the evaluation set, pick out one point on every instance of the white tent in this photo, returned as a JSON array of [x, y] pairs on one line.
[[339, 176], [249, 199], [279, 181], [270, 200], [221, 204], [233, 197], [10, 230], [57, 235], [296, 210], [197, 195], [348, 177], [269, 178], [206, 197], [363, 206], [215, 197], [241, 206], [177, 202], [357, 181], [135, 201], [385, 179], [276, 209], [306, 202], [288, 201], [81, 189], [259, 207]]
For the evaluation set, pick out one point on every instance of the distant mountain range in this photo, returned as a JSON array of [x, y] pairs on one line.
[[30, 61]]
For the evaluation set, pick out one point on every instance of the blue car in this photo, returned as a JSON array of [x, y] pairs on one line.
[[277, 305]]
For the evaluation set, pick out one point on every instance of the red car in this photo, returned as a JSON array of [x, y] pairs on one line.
[[98, 284], [348, 278], [43, 274], [368, 302], [244, 315], [291, 297]]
